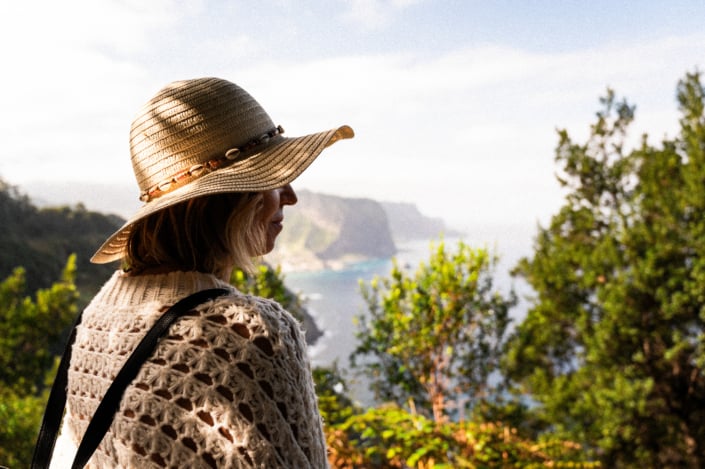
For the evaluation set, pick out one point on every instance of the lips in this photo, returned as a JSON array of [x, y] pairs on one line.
[[277, 224], [277, 219]]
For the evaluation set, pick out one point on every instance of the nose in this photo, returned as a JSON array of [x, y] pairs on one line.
[[287, 196]]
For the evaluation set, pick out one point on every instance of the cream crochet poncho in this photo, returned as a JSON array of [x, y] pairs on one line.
[[229, 386]]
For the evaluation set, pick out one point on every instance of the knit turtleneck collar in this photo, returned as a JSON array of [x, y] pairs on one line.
[[133, 290]]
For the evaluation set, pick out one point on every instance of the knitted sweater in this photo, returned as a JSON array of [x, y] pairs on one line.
[[228, 386]]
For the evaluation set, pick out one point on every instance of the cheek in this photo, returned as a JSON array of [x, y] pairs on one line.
[[270, 204], [271, 231], [264, 213]]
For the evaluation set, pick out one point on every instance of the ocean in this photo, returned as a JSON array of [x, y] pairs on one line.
[[333, 298]]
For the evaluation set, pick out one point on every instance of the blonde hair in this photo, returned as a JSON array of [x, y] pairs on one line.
[[206, 234]]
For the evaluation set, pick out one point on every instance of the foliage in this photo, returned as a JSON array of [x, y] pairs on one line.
[[268, 282], [30, 326], [390, 437], [20, 415], [40, 240], [613, 347], [434, 337], [333, 402], [31, 329]]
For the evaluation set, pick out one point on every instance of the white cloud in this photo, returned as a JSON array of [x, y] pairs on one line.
[[69, 88], [476, 125], [467, 131], [122, 26], [375, 14]]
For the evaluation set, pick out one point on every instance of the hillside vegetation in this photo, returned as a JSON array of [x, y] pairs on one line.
[[321, 231], [40, 240]]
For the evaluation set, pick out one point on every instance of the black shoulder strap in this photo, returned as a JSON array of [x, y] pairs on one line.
[[103, 417], [55, 407]]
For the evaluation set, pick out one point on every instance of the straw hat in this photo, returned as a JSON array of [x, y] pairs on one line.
[[209, 136]]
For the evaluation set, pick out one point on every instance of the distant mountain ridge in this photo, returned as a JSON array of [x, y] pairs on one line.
[[327, 231], [321, 231], [407, 223], [41, 239]]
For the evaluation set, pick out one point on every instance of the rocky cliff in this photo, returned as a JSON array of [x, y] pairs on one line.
[[325, 231], [406, 222]]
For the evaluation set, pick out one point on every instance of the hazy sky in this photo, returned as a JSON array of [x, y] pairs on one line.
[[455, 103]]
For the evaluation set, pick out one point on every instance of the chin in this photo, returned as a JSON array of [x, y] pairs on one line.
[[270, 243]]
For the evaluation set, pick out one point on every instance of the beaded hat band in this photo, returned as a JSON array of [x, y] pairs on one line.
[[209, 136]]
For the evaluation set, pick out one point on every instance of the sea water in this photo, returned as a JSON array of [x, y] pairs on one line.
[[333, 298]]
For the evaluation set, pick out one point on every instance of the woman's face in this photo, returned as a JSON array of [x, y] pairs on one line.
[[271, 215]]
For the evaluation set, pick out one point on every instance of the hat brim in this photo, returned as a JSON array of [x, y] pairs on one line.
[[275, 166]]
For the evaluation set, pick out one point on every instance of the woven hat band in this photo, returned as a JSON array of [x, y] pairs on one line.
[[201, 169]]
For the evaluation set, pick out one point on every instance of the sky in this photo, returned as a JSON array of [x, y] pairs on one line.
[[455, 103]]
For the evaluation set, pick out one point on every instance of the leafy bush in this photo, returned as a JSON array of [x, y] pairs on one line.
[[391, 437], [30, 329]]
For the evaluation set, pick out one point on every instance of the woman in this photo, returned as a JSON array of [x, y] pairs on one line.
[[230, 385]]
